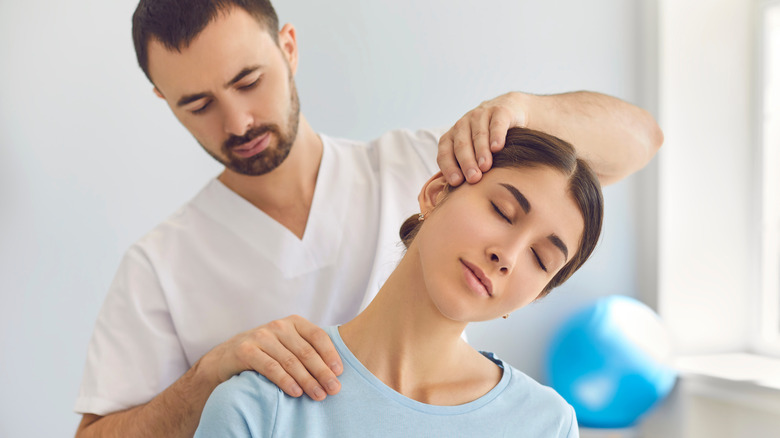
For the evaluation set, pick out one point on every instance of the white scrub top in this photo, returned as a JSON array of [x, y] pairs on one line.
[[220, 266]]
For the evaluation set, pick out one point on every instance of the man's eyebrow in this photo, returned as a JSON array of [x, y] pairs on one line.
[[241, 74], [559, 243], [197, 96], [521, 199], [190, 98]]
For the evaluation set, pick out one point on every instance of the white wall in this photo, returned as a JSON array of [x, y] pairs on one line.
[[90, 159]]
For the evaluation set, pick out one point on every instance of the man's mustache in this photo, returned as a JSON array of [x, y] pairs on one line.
[[235, 141]]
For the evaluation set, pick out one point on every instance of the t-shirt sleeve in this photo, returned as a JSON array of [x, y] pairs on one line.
[[134, 353], [574, 430], [244, 406], [426, 144]]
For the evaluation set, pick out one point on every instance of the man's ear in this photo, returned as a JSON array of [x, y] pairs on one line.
[[289, 46], [432, 193], [158, 93]]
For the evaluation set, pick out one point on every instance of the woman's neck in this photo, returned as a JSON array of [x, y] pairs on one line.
[[405, 341]]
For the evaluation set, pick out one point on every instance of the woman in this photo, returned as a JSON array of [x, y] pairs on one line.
[[474, 253]]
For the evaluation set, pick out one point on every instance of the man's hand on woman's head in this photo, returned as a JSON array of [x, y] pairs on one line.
[[293, 353], [615, 137], [466, 149]]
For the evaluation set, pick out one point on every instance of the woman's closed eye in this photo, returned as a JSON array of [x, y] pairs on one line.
[[539, 260], [500, 213], [505, 217]]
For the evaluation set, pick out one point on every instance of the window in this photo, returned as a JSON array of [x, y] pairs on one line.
[[769, 159]]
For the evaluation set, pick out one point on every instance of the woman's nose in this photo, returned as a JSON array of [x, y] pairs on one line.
[[503, 267]]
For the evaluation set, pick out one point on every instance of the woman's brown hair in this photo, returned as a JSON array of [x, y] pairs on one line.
[[529, 148]]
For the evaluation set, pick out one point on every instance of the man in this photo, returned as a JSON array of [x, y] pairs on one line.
[[297, 222]]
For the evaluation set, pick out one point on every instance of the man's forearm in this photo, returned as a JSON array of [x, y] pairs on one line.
[[174, 412], [615, 137]]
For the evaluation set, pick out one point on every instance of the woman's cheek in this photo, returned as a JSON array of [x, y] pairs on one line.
[[523, 292]]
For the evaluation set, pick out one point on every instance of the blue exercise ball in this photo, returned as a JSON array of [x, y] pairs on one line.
[[611, 362]]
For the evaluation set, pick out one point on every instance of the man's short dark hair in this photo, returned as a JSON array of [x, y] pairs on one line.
[[175, 23]]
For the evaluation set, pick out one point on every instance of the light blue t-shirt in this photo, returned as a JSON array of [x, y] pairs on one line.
[[249, 405]]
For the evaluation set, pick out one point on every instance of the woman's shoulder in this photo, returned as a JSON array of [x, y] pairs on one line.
[[537, 407], [248, 387], [244, 405], [521, 388]]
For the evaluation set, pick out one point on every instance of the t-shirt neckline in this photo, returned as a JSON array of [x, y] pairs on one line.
[[346, 355]]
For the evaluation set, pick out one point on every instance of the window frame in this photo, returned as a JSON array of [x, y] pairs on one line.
[[767, 327]]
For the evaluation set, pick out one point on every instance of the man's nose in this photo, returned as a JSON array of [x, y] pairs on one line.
[[237, 120]]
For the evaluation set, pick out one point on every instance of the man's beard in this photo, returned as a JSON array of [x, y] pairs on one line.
[[273, 155]]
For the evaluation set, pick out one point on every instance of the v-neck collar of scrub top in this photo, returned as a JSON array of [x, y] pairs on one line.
[[322, 237]]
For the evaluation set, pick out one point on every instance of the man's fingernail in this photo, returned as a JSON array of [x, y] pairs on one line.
[[295, 390], [335, 367], [454, 178], [471, 173], [481, 161], [494, 144], [332, 385], [318, 392]]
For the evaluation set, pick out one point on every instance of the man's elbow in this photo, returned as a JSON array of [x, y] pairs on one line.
[[657, 138], [648, 140], [654, 137]]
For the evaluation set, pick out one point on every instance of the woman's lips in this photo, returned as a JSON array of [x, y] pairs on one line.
[[253, 147], [476, 279]]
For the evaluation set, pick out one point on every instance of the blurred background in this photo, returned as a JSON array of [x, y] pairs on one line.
[[90, 160]]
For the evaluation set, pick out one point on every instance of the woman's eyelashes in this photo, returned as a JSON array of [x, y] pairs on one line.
[[539, 260], [500, 213], [505, 217]]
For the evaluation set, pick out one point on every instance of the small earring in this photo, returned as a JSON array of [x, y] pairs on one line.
[[421, 217], [505, 316]]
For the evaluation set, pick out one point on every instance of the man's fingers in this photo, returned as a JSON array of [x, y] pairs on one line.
[[296, 367], [464, 153], [466, 150], [446, 160], [269, 367], [316, 351], [321, 342], [499, 125], [480, 136]]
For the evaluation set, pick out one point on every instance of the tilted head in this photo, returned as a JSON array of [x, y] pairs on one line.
[[226, 72], [527, 226]]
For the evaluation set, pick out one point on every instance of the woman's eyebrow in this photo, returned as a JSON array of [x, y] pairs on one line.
[[560, 245], [526, 206], [521, 199]]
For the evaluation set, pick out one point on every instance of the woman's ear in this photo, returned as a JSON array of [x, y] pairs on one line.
[[432, 193]]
